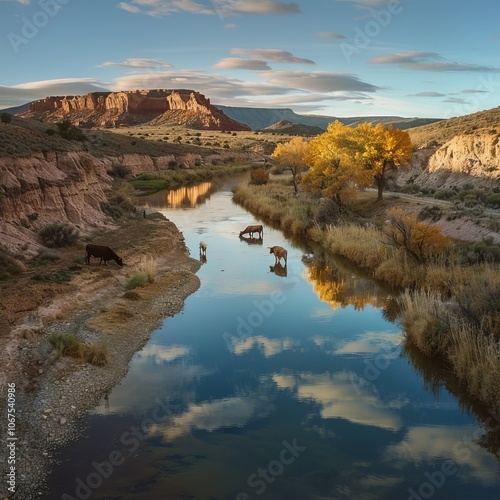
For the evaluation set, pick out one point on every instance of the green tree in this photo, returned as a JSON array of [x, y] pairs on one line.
[[291, 156]]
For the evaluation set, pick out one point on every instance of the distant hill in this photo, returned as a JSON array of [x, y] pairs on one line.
[[290, 128], [16, 110], [443, 131], [260, 118]]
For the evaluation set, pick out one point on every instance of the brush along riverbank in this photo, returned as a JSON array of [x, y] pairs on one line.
[[450, 300]]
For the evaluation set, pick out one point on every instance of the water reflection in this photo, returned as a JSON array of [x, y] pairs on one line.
[[341, 286], [251, 241], [184, 197], [279, 270]]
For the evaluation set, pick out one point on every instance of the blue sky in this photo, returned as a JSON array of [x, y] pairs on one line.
[[428, 58]]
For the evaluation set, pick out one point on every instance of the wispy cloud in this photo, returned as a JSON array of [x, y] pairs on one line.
[[238, 63], [368, 4], [24, 2], [329, 36], [26, 92], [455, 100], [220, 7], [428, 94], [320, 81], [272, 55], [429, 61], [134, 63]]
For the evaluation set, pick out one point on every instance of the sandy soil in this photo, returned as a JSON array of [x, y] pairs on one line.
[[54, 393]]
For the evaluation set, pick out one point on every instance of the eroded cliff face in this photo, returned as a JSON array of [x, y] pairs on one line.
[[465, 159], [45, 188], [99, 109]]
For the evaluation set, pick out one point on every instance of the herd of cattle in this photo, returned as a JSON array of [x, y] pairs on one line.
[[105, 253]]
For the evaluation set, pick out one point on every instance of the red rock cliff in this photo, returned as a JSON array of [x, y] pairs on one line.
[[98, 109]]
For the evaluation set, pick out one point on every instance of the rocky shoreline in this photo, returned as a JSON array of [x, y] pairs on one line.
[[53, 394]]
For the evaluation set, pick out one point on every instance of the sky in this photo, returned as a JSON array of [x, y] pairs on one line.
[[409, 58]]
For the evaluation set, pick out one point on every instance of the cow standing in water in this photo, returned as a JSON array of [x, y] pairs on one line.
[[102, 252], [279, 253], [253, 229]]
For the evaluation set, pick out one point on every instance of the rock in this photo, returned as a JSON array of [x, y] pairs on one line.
[[62, 421], [183, 107]]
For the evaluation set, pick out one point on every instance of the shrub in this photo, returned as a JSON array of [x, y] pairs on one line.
[[6, 118], [147, 265], [66, 344], [259, 177], [69, 132], [59, 234], [50, 131], [493, 200], [120, 171], [137, 280]]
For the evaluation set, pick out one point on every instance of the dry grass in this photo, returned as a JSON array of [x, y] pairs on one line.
[[148, 266], [68, 345]]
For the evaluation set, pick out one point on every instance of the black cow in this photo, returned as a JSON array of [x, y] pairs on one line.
[[102, 252]]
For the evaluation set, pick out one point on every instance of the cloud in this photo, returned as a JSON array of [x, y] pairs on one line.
[[336, 397], [456, 100], [238, 63], [136, 63], [328, 36], [428, 94], [373, 343], [319, 81], [428, 61], [217, 414], [24, 2], [269, 347], [161, 353], [424, 444], [272, 55], [474, 91], [26, 92], [368, 4], [222, 8]]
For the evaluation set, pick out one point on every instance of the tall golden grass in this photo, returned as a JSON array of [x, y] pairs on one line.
[[448, 309]]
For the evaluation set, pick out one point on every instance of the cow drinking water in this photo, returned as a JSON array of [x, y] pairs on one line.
[[253, 229], [102, 252]]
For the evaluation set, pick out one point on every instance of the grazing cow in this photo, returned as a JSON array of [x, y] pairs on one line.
[[104, 253], [279, 253], [253, 229], [203, 248]]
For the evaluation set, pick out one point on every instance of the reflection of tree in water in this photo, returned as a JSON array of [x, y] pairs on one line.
[[189, 197], [437, 375], [340, 286]]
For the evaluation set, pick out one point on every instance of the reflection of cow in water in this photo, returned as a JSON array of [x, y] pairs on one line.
[[278, 270], [252, 241], [253, 229], [102, 252]]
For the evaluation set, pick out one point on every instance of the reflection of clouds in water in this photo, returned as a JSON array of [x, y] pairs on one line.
[[162, 353], [269, 347], [213, 415], [323, 312], [371, 343], [338, 398], [423, 444]]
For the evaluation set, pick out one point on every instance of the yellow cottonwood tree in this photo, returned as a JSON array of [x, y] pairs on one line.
[[330, 157], [291, 155], [380, 149]]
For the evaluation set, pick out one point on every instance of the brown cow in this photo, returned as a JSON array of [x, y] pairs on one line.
[[102, 252], [253, 229], [279, 253]]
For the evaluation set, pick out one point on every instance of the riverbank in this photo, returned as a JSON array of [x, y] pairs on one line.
[[457, 317], [91, 302]]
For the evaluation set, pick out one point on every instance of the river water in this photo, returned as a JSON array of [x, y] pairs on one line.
[[277, 383]]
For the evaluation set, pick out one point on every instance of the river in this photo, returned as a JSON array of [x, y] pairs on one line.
[[277, 383]]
